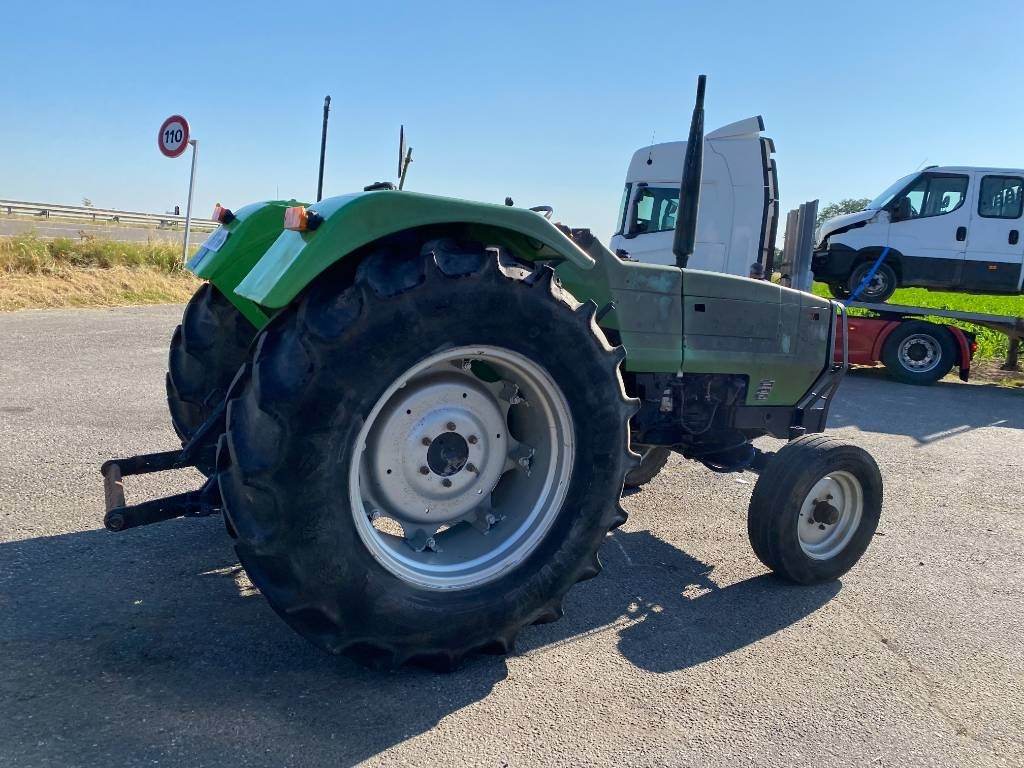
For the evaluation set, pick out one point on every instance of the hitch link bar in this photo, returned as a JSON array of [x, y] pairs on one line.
[[120, 516]]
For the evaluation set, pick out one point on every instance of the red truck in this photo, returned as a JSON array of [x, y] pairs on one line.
[[912, 350]]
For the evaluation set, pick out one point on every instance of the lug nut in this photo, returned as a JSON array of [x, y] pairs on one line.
[[425, 441], [472, 439], [471, 467], [446, 483], [450, 426], [424, 471]]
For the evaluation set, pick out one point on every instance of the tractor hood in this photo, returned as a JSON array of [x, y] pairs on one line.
[[842, 223]]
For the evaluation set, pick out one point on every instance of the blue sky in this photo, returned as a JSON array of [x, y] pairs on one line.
[[541, 101]]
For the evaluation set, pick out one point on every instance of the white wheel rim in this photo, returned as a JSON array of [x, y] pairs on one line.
[[837, 497], [919, 353], [457, 476]]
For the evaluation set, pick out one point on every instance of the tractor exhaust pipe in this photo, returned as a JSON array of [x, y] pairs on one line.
[[689, 186]]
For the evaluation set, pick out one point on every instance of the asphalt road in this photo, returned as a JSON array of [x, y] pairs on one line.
[[150, 648]]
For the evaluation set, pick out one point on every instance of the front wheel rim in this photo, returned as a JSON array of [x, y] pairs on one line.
[[830, 515], [461, 467]]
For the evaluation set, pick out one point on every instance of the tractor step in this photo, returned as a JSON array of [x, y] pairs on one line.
[[120, 515]]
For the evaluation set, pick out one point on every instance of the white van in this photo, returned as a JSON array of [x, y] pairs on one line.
[[738, 215], [948, 228]]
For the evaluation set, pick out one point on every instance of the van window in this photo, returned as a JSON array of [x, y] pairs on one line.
[[1000, 197], [655, 210], [930, 195]]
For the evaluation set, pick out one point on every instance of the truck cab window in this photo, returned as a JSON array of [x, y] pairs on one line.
[[655, 210], [623, 208], [1000, 197], [930, 195]]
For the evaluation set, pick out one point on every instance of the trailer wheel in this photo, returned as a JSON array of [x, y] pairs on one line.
[[206, 351], [919, 352], [814, 509], [652, 460], [413, 476], [883, 283]]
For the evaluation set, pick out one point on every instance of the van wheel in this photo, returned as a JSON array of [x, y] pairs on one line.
[[881, 286], [919, 353]]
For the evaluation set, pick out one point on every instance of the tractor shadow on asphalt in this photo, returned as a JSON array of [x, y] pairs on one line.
[[872, 402], [149, 646], [668, 613]]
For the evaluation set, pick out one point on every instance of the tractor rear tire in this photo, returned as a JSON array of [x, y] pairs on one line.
[[421, 464], [207, 350], [815, 507], [652, 461]]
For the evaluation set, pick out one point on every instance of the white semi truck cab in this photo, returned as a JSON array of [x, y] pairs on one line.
[[738, 216], [949, 228]]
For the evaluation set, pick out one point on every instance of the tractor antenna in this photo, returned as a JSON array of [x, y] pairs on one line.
[[404, 157], [689, 186], [323, 151]]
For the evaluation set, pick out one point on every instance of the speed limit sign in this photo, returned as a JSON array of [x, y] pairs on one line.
[[173, 136]]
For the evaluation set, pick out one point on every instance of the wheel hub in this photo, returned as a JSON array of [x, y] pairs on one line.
[[448, 453], [435, 449], [919, 353], [464, 463], [830, 514], [824, 513]]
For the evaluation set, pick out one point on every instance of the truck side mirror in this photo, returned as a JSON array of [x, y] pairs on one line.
[[901, 211]]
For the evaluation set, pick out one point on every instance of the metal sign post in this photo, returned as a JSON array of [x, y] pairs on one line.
[[188, 205]]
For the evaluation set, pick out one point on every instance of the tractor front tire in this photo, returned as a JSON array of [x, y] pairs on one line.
[[814, 509], [207, 350], [422, 461]]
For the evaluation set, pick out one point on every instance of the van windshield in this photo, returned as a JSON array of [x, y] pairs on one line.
[[887, 195]]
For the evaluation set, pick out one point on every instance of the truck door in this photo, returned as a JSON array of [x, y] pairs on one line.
[[928, 229], [995, 248]]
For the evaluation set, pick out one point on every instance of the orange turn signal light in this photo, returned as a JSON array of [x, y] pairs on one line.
[[222, 214], [298, 219]]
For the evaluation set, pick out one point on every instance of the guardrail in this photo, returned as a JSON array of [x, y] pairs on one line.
[[101, 215]]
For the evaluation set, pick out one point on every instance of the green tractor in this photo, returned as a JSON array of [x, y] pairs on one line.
[[417, 414]]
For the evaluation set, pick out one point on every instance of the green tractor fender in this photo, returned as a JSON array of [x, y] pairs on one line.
[[350, 222], [233, 249]]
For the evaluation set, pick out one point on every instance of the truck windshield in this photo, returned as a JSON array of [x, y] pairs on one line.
[[891, 190], [654, 210]]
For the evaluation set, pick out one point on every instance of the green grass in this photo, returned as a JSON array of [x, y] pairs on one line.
[[27, 254], [990, 343]]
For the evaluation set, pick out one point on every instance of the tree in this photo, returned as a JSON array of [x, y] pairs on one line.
[[87, 202], [849, 205]]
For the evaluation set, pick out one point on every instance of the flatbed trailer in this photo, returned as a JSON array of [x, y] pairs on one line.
[[917, 351]]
